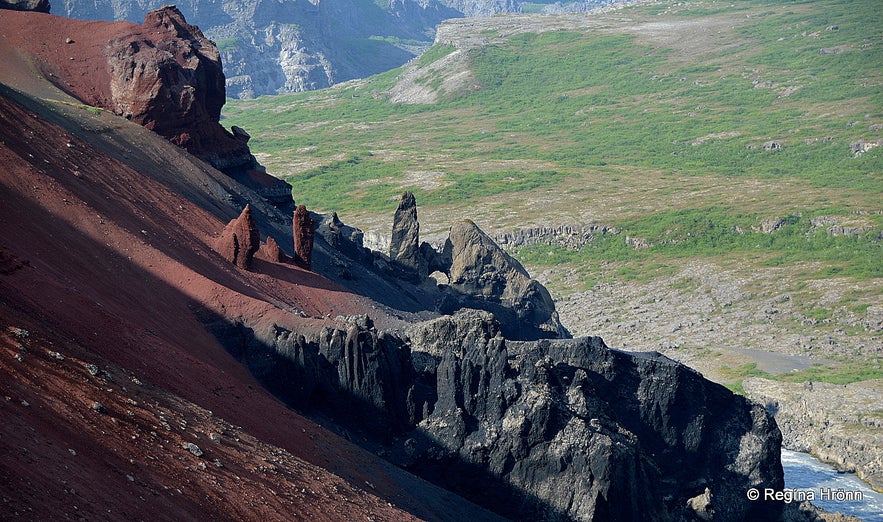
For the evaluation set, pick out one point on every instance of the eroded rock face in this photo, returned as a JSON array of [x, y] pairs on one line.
[[304, 229], [587, 432], [845, 432], [41, 6], [240, 239], [564, 429], [484, 276], [168, 78]]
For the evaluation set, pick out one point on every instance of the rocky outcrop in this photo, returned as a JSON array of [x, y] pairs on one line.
[[41, 6], [589, 432], [572, 237], [304, 229], [404, 245], [163, 74], [473, 8], [549, 429], [845, 432], [270, 251], [483, 276], [479, 273], [240, 240], [168, 78]]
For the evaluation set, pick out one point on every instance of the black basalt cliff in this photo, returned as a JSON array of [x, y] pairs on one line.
[[563, 429]]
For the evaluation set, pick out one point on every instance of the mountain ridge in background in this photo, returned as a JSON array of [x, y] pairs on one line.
[[273, 47]]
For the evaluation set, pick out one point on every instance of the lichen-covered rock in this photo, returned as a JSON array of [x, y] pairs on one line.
[[304, 229], [484, 276], [240, 239]]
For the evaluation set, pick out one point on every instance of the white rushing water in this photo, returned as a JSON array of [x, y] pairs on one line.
[[806, 477]]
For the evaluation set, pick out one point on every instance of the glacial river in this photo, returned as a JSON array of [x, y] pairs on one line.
[[832, 491]]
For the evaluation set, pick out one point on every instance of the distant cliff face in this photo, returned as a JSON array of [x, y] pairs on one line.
[[270, 47]]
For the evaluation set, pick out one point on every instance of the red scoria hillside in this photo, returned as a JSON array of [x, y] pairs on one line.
[[115, 402]]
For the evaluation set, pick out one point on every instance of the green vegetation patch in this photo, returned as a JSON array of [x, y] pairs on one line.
[[844, 373], [685, 150], [227, 44], [435, 53]]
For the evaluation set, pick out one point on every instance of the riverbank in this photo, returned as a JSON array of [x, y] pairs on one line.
[[838, 424], [842, 495]]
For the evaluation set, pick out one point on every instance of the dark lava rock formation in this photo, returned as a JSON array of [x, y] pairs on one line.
[[404, 246], [480, 274], [483, 276], [541, 430]]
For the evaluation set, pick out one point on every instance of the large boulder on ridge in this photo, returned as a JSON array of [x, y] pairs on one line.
[[168, 77], [484, 276], [163, 74]]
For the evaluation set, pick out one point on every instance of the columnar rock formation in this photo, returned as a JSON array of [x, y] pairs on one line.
[[240, 239], [304, 229], [541, 430]]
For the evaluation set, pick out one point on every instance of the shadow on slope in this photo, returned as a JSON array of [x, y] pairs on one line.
[[64, 282]]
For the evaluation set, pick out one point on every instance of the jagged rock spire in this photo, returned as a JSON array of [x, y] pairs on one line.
[[404, 246], [240, 239], [303, 228]]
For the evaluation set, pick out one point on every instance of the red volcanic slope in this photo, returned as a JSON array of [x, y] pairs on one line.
[[104, 265]]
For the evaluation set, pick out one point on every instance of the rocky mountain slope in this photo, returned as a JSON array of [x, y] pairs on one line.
[[135, 344]]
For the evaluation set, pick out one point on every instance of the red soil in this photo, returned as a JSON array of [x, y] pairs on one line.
[[69, 65], [106, 265]]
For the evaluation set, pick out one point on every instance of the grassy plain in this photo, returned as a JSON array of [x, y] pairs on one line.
[[689, 126]]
